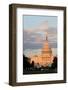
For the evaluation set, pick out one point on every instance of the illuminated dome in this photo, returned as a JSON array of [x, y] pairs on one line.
[[46, 56], [46, 49]]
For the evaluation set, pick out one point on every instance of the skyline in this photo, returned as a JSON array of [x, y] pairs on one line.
[[34, 33]]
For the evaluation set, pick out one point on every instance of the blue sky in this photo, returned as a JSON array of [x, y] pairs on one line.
[[33, 21], [34, 33]]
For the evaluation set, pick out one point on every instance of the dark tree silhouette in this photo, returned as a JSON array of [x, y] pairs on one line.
[[32, 64], [54, 64], [26, 63]]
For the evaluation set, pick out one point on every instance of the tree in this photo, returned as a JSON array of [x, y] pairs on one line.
[[54, 64], [26, 63], [32, 64]]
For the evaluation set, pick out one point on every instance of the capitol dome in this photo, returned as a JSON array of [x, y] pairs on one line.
[[46, 57]]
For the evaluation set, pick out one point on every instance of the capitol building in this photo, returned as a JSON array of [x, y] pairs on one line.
[[46, 56]]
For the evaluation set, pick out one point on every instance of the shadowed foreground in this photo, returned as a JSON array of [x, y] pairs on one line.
[[32, 69]]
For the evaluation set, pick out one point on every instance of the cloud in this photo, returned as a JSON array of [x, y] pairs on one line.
[[32, 46], [34, 38], [43, 26], [40, 28]]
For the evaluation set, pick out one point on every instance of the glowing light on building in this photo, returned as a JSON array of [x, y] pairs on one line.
[[46, 56]]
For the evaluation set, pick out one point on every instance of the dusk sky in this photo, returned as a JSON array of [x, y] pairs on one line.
[[35, 28]]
